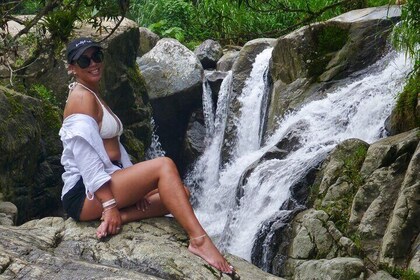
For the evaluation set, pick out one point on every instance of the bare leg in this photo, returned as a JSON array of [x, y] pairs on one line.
[[133, 183]]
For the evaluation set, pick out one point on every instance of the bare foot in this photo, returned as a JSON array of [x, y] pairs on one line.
[[101, 231], [203, 247]]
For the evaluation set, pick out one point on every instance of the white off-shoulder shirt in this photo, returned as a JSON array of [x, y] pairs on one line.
[[84, 155]]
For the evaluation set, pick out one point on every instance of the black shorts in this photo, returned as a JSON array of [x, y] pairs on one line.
[[74, 199]]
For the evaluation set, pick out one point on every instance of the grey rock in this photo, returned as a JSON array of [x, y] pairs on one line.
[[53, 248], [374, 202], [334, 164], [226, 62], [9, 210], [170, 68], [32, 178], [148, 40], [404, 223], [174, 78], [381, 275], [209, 52], [194, 141], [414, 263], [337, 269], [215, 79]]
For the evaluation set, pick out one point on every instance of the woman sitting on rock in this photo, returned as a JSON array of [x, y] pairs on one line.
[[100, 182]]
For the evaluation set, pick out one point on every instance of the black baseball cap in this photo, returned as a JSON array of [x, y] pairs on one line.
[[78, 46]]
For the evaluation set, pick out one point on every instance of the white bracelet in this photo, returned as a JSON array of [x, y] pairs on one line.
[[107, 209], [109, 203]]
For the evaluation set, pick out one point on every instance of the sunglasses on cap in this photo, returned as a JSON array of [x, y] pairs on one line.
[[84, 61]]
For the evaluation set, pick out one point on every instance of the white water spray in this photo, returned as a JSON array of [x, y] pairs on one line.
[[251, 100], [208, 110], [155, 150]]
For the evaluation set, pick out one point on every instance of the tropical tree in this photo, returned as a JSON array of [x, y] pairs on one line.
[[49, 27]]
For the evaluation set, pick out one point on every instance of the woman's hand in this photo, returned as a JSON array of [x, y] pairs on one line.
[[143, 204], [111, 222]]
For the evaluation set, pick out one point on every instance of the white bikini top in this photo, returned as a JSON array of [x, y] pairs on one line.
[[111, 125]]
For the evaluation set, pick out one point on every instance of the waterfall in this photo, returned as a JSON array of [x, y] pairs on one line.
[[208, 110], [251, 100], [155, 149], [208, 164], [357, 108]]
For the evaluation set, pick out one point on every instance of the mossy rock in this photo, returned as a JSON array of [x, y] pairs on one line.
[[406, 114], [327, 41], [30, 170]]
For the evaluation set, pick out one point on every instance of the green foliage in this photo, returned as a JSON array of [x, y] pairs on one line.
[[225, 21], [376, 3], [60, 24], [177, 13], [234, 22], [357, 240], [49, 28], [172, 19], [405, 116], [406, 36], [400, 273], [339, 210], [352, 164], [29, 7], [41, 92], [331, 39], [146, 12]]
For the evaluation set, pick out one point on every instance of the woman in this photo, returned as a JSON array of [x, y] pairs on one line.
[[100, 182]]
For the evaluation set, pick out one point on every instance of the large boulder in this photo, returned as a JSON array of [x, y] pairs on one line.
[[384, 170], [403, 225], [30, 149], [365, 206], [174, 78], [315, 237], [53, 248]]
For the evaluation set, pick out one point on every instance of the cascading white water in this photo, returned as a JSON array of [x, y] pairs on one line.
[[208, 110], [155, 149], [356, 110], [251, 101], [209, 163]]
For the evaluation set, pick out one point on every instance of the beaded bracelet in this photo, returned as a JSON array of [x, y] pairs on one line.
[[109, 203]]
